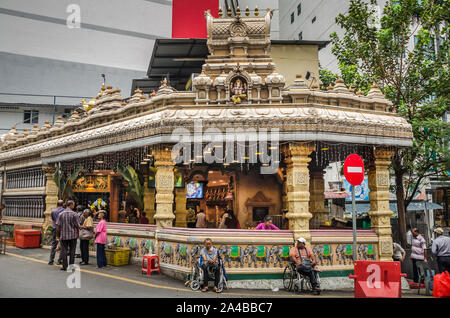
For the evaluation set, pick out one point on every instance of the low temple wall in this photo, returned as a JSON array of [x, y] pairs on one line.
[[253, 259]]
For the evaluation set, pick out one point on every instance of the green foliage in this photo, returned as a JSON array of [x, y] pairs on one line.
[[135, 186], [406, 52], [64, 182]]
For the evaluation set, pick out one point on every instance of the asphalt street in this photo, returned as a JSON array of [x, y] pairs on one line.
[[25, 273]]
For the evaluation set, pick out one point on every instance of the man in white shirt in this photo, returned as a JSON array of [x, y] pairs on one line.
[[399, 253], [441, 248]]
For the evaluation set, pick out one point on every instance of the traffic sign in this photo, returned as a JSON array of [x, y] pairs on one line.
[[354, 169]]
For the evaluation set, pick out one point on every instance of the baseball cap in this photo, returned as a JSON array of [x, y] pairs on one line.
[[439, 230], [301, 240]]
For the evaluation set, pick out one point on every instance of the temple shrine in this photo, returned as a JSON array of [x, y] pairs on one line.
[[240, 140]]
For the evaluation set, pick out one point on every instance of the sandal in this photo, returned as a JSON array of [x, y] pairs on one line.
[[216, 289], [205, 289]]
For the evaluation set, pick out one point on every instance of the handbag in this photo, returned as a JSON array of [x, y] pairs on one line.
[[86, 234]]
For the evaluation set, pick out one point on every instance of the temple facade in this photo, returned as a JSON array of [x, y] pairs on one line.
[[240, 140]]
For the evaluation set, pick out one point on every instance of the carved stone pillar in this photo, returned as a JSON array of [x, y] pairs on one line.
[[114, 201], [164, 187], [297, 177], [317, 200], [180, 207], [51, 194], [149, 201], [380, 213]]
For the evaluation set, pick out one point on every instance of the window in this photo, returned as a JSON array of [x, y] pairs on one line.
[[299, 9], [292, 17], [300, 36], [313, 20], [30, 116]]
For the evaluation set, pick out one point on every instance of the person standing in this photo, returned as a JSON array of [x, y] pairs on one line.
[[143, 219], [81, 217], [267, 224], [54, 215], [399, 253], [232, 222], [86, 233], [441, 248], [2, 207], [68, 227], [409, 236], [418, 251], [201, 220], [190, 218], [100, 239]]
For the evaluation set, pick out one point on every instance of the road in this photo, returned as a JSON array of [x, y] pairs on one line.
[[25, 273]]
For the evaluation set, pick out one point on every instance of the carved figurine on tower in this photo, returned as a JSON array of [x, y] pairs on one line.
[[238, 88]]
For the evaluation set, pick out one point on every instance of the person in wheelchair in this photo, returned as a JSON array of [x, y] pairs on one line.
[[305, 261], [210, 263]]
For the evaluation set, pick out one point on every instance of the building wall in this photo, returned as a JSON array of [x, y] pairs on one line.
[[325, 12], [295, 59], [40, 54], [248, 186]]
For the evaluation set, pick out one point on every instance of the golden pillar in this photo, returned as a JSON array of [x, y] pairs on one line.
[[180, 207], [297, 178], [164, 187], [149, 201], [51, 194], [380, 213], [317, 201]]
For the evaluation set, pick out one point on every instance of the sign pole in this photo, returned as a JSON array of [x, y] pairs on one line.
[[354, 223]]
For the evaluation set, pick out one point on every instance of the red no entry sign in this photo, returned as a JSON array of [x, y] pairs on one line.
[[354, 169]]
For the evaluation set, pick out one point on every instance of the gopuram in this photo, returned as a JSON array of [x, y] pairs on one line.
[[240, 139]]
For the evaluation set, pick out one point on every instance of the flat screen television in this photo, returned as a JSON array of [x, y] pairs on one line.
[[194, 190]]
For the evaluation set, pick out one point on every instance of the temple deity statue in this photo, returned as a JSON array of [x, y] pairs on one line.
[[238, 89]]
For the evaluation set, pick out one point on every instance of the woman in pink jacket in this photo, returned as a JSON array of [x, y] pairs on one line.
[[100, 240]]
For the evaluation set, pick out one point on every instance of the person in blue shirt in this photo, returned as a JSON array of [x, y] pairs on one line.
[[210, 262], [54, 215]]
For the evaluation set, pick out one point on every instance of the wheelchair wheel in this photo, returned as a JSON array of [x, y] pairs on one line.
[[288, 278]]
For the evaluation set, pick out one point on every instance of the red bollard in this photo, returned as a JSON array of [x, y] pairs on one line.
[[377, 279]]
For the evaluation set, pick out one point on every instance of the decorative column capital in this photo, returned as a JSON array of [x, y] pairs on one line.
[[163, 157], [383, 153], [49, 170]]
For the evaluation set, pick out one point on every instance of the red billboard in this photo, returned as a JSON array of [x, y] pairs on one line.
[[188, 18]]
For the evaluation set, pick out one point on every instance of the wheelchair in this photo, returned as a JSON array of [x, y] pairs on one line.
[[299, 283], [197, 275]]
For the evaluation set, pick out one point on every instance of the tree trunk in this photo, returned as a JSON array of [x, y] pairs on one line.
[[401, 210]]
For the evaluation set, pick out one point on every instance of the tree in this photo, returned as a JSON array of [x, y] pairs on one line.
[[64, 182], [135, 186], [406, 52]]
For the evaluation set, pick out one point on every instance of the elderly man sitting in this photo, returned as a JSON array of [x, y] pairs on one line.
[[304, 260]]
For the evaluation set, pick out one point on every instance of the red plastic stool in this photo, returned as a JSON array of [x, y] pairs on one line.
[[152, 264]]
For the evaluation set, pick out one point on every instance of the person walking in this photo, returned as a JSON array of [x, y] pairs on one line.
[[86, 233], [68, 227], [267, 224], [54, 215], [418, 252], [441, 248], [201, 220], [399, 253], [100, 239]]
